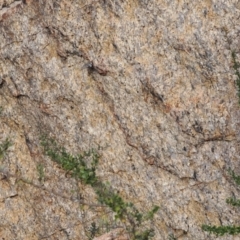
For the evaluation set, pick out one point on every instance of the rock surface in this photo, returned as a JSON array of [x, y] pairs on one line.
[[150, 82]]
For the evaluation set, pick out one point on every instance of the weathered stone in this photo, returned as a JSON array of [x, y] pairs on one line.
[[150, 82]]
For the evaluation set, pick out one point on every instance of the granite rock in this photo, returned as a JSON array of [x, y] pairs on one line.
[[150, 82]]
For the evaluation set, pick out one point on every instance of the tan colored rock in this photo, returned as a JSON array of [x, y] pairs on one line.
[[150, 82], [113, 235], [5, 12]]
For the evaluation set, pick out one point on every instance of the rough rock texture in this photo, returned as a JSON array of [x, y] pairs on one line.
[[150, 82]]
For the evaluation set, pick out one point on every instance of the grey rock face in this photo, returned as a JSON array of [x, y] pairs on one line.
[[150, 82]]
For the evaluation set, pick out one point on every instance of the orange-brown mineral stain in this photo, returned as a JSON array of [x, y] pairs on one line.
[[168, 107]]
